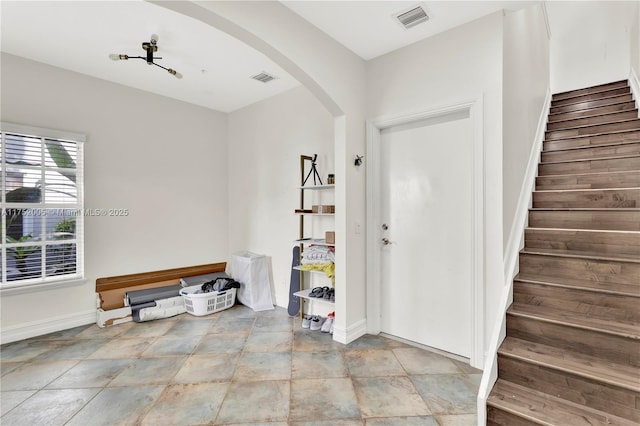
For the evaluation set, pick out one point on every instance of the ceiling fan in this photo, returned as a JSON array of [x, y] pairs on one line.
[[150, 47]]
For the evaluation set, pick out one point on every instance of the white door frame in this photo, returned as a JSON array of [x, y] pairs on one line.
[[374, 302]]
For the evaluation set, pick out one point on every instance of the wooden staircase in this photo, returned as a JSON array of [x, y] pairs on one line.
[[572, 352]]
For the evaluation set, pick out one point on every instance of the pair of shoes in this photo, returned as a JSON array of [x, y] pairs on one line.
[[330, 294], [327, 327], [306, 321], [316, 322], [318, 292]]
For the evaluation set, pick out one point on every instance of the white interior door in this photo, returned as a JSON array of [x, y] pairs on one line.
[[426, 206]]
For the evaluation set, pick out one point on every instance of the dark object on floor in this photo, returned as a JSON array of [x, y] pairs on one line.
[[138, 297], [294, 286]]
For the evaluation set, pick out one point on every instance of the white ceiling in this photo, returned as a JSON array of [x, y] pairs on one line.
[[369, 29], [80, 35]]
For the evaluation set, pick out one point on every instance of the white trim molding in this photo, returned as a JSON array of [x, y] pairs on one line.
[[46, 326], [374, 307], [514, 244], [634, 83], [351, 333]]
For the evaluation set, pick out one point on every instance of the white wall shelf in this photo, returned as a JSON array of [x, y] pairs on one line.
[[304, 294], [316, 187], [314, 241]]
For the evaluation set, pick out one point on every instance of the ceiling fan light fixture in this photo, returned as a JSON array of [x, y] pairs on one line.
[[149, 47]]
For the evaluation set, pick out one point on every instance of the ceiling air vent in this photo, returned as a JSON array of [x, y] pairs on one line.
[[263, 77], [412, 17]]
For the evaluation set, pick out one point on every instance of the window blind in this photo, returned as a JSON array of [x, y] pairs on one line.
[[41, 174]]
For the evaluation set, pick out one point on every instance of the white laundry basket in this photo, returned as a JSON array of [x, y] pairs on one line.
[[252, 272], [207, 303]]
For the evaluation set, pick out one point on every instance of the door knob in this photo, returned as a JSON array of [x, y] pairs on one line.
[[385, 226], [386, 241]]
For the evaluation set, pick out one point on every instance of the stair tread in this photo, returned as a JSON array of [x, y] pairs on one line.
[[582, 147], [580, 101], [598, 88], [586, 209], [593, 109], [575, 160], [582, 126], [628, 109], [590, 135], [571, 319], [588, 366], [586, 105], [615, 289], [547, 409], [546, 191], [583, 254]]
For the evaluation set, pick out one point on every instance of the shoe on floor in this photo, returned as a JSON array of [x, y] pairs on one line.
[[328, 324], [316, 322], [306, 321]]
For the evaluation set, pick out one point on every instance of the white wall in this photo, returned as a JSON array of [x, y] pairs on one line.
[[590, 42], [526, 80], [459, 65], [266, 140], [164, 160], [336, 76], [634, 44]]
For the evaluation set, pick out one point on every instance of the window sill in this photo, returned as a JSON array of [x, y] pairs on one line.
[[38, 287]]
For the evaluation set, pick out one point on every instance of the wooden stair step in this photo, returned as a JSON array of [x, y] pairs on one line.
[[574, 363], [596, 395], [589, 121], [576, 321], [594, 112], [604, 306], [589, 152], [595, 129], [604, 219], [591, 165], [586, 105], [594, 198], [525, 406], [626, 179], [612, 244], [558, 265], [591, 96], [597, 140], [583, 254], [603, 339], [590, 90], [578, 284]]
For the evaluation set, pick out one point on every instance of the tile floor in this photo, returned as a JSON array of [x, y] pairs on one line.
[[235, 367]]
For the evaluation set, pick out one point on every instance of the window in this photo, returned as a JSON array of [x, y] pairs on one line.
[[41, 184]]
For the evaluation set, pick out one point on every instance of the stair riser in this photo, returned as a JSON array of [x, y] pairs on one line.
[[586, 141], [497, 417], [613, 221], [591, 97], [590, 90], [592, 130], [606, 243], [610, 347], [591, 104], [590, 121], [589, 153], [589, 181], [604, 306], [590, 166], [609, 399], [595, 271], [599, 198], [623, 106]]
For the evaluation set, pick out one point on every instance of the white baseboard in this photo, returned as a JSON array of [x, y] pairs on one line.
[[50, 325], [351, 333]]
